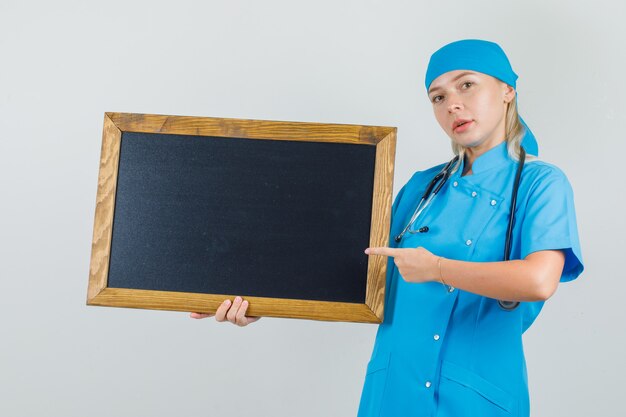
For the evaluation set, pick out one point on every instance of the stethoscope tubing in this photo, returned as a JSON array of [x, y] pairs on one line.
[[512, 305], [431, 191]]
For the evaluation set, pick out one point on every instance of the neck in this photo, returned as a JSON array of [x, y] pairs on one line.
[[471, 154], [493, 140]]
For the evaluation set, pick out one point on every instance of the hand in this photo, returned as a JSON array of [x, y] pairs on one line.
[[235, 314], [414, 264]]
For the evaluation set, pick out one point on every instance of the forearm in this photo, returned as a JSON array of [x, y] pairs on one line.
[[532, 279]]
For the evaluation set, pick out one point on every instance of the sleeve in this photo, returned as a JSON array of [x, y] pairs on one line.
[[549, 222]]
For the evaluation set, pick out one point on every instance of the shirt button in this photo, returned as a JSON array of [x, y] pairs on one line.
[[427, 384], [436, 337], [493, 202], [450, 289], [468, 242], [455, 183], [474, 193]]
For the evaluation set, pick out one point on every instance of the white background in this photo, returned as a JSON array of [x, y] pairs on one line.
[[64, 63]]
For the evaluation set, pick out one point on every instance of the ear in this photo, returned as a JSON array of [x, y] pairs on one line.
[[509, 93]]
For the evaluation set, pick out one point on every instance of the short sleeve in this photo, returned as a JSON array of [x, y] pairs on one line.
[[549, 222]]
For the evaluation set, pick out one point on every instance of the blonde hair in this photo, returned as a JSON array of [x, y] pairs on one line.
[[514, 133]]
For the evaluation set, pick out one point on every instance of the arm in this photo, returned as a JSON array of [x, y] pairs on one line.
[[549, 248], [534, 278]]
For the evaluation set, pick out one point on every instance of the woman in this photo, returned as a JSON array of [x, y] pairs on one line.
[[447, 345]]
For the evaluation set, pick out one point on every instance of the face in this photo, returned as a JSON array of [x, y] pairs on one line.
[[478, 99]]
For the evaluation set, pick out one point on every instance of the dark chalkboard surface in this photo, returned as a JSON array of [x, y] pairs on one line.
[[260, 214], [213, 215]]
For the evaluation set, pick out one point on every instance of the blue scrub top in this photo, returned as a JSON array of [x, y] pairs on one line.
[[448, 352]]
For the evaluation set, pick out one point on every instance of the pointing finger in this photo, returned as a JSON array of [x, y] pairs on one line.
[[383, 251]]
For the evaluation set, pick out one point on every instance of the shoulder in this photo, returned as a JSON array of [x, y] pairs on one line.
[[539, 174], [545, 190], [417, 183], [423, 177], [540, 169]]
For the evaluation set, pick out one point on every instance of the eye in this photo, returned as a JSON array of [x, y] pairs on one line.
[[435, 99], [467, 82]]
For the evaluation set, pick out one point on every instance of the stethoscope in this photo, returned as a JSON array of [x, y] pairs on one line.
[[438, 182]]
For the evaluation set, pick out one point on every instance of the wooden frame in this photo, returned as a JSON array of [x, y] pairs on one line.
[[384, 138]]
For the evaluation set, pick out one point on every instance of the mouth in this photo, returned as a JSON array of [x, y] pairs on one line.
[[461, 124]]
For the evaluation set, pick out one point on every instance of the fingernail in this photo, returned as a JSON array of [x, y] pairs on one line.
[[227, 302], [237, 299], [367, 251]]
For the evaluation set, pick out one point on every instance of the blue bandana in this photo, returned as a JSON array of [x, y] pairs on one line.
[[481, 56]]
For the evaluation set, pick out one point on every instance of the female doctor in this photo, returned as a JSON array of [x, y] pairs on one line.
[[458, 300], [451, 340]]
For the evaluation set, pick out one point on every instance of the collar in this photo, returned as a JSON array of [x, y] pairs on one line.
[[493, 158]]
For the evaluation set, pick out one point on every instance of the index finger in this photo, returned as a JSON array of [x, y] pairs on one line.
[[384, 251]]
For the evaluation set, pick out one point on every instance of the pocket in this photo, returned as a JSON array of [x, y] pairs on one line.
[[473, 393], [374, 386]]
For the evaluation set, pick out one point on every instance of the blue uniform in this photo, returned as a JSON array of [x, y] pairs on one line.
[[448, 352]]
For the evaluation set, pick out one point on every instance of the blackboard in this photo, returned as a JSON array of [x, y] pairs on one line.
[[278, 212]]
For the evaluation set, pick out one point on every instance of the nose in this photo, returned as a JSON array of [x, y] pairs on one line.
[[456, 106], [455, 103]]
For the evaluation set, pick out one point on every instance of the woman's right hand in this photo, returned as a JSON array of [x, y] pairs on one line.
[[234, 312]]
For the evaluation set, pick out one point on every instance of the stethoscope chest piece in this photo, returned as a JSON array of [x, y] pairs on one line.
[[508, 305]]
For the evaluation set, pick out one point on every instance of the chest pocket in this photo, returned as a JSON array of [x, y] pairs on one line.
[[466, 220]]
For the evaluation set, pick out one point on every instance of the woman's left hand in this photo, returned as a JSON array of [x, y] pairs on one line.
[[414, 264]]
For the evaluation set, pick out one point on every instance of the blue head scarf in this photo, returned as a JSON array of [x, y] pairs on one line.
[[481, 56]]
